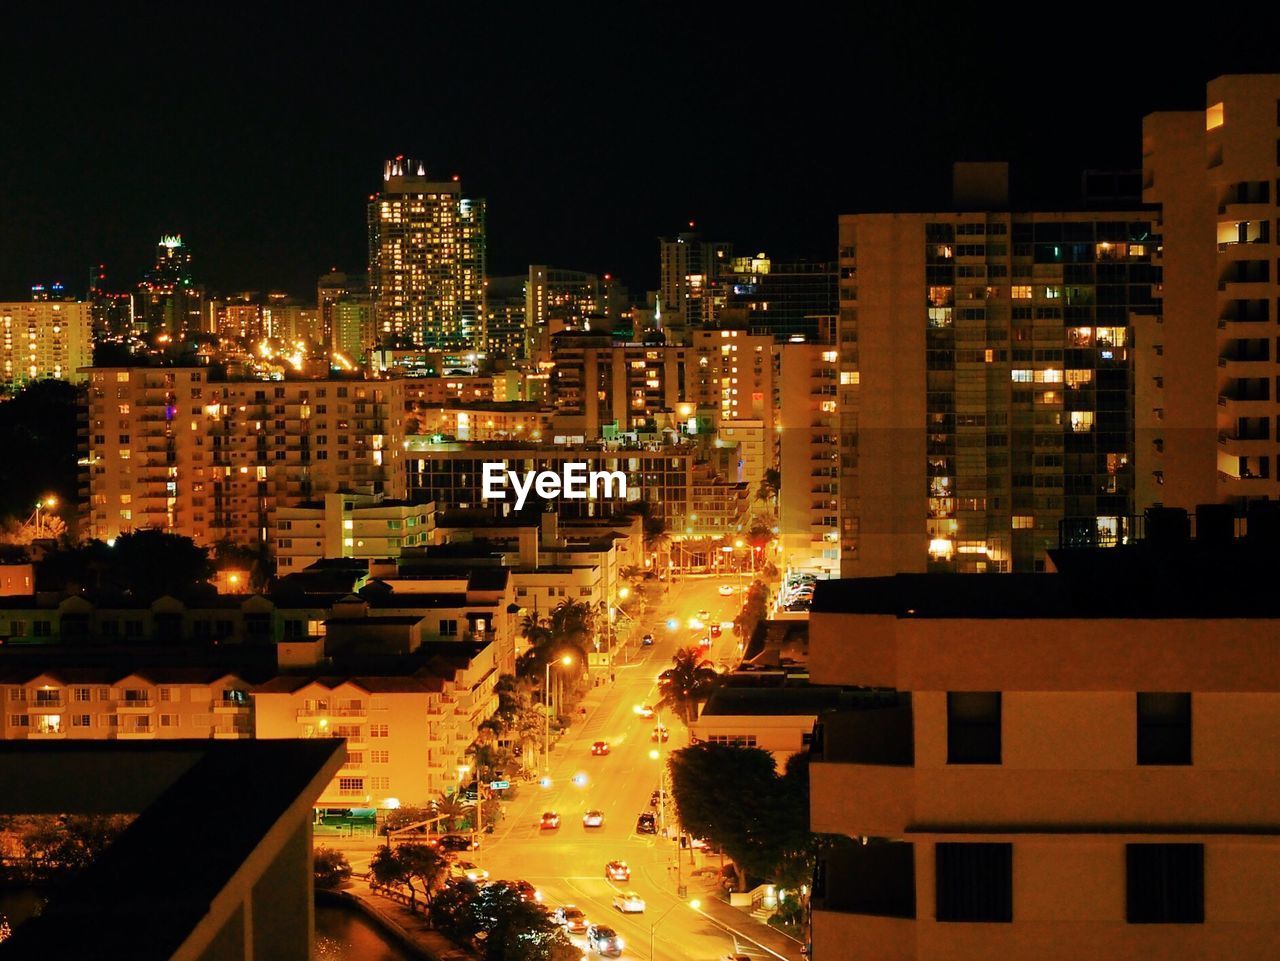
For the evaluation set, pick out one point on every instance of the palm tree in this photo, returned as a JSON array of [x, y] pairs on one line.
[[452, 808], [689, 681], [656, 540]]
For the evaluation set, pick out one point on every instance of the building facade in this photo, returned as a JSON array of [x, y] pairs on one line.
[[1029, 788], [986, 382], [427, 260], [45, 339], [167, 448]]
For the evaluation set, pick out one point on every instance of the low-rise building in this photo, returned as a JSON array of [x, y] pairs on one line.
[[777, 719], [348, 524]]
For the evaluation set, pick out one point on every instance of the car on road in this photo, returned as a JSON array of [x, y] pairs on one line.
[[645, 712], [647, 640], [465, 869], [550, 819], [660, 733], [593, 819], [646, 823], [726, 590], [656, 798], [526, 891], [458, 842], [704, 641], [715, 630], [600, 748], [571, 918], [604, 941], [617, 871], [704, 615], [629, 903]]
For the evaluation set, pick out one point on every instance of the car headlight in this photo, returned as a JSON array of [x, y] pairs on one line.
[[621, 943]]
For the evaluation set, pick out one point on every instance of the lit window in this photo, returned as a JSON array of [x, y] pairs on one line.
[[1022, 292], [1081, 421], [1022, 522], [1020, 376], [1213, 117]]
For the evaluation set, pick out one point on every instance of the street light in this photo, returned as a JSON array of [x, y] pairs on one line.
[[653, 928], [546, 690]]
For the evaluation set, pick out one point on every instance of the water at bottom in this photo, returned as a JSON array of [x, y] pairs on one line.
[[343, 935]]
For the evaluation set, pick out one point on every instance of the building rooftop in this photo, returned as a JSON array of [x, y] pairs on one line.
[[798, 701], [138, 900]]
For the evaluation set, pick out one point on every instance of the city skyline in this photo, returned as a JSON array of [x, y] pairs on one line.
[[286, 204]]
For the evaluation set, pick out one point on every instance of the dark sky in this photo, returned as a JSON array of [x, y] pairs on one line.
[[259, 136]]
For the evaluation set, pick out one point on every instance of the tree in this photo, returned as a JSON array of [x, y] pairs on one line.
[[61, 845], [517, 930], [754, 609], [413, 866], [689, 681], [770, 487], [452, 808], [733, 797], [38, 437], [331, 867], [256, 561], [452, 912]]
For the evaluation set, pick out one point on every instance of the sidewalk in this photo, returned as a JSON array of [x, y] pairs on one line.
[[742, 925]]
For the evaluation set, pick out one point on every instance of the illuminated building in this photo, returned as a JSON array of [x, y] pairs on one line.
[[352, 329], [484, 420], [44, 339], [808, 456], [426, 260], [557, 300], [1061, 765], [169, 448], [1207, 416], [505, 325], [785, 300], [335, 287], [602, 387], [986, 379], [691, 289], [168, 302], [347, 524]]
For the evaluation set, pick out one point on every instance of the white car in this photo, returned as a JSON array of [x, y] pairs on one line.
[[726, 590], [629, 903], [593, 819], [465, 869]]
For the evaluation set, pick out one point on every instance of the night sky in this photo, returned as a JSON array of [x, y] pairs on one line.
[[260, 136]]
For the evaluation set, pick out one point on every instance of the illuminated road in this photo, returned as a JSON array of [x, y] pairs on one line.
[[568, 864]]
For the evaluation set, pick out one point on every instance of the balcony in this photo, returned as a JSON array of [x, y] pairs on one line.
[[136, 734], [135, 704], [231, 706], [230, 734], [864, 902], [862, 762], [46, 704]]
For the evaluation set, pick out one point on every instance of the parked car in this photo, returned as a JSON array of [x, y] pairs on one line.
[[629, 903], [604, 941], [646, 823], [571, 919]]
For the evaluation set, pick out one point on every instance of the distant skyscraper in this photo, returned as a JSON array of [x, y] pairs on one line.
[[505, 326], [692, 271], [333, 287], [557, 300], [426, 260], [168, 301], [351, 326]]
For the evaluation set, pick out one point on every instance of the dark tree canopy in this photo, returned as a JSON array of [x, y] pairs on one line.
[[38, 437], [145, 564]]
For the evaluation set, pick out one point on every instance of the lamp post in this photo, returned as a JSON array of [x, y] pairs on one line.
[[546, 690], [653, 928]]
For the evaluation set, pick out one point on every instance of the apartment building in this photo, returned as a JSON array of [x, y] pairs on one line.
[[986, 378], [1210, 437], [42, 339], [484, 420], [347, 524], [808, 456], [407, 724], [1061, 765], [601, 387], [101, 703], [172, 448]]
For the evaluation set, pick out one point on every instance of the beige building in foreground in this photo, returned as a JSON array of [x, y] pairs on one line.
[[347, 524], [1070, 768]]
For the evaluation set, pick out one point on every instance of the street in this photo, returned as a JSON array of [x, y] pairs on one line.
[[567, 864]]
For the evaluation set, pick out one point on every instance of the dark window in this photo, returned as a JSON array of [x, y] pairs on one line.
[[973, 727], [1165, 883], [974, 882], [1164, 728]]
